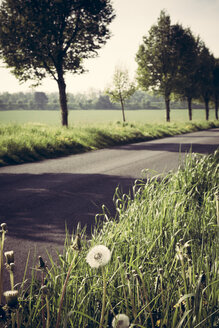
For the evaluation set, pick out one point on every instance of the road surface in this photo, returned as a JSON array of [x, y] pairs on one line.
[[39, 199]]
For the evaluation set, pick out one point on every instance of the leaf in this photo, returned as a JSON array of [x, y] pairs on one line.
[[184, 297], [183, 318]]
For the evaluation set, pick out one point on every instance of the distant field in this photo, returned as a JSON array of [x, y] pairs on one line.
[[95, 116]]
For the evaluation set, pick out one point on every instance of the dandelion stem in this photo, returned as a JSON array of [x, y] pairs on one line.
[[1, 262], [18, 318], [63, 291], [12, 319], [1, 270], [185, 284], [217, 206], [42, 303], [43, 313], [103, 299], [47, 311], [134, 311], [12, 279]]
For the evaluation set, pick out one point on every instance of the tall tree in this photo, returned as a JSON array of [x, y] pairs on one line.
[[41, 37], [186, 84], [122, 88], [205, 76], [216, 86], [157, 60]]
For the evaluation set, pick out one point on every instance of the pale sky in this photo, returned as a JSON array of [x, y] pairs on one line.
[[133, 20]]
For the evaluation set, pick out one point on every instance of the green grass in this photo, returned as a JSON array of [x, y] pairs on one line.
[[95, 116], [29, 142], [164, 266]]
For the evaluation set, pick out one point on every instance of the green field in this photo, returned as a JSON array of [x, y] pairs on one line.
[[28, 136], [95, 116]]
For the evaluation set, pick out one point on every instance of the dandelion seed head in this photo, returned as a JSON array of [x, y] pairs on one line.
[[11, 297], [4, 227], [12, 267], [9, 256], [98, 256], [121, 321]]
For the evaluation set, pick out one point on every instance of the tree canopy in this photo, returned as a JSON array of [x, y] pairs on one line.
[[216, 85], [157, 61], [172, 61], [205, 76], [186, 83], [50, 37]]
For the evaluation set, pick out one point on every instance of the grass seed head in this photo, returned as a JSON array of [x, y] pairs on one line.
[[42, 264], [77, 243]]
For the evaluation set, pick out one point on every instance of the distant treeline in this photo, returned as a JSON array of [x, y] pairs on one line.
[[86, 101]]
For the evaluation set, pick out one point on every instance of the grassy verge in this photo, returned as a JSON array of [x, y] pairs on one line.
[[163, 270], [21, 143]]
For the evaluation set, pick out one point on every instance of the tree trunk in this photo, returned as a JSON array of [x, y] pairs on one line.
[[216, 109], [63, 99], [189, 101], [123, 111], [167, 102], [207, 109]]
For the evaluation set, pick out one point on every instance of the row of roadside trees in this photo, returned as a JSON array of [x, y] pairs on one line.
[[40, 38], [172, 61]]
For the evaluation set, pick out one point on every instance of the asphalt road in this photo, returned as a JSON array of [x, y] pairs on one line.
[[37, 200]]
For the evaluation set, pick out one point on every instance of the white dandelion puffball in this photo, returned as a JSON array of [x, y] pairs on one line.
[[120, 321], [98, 256]]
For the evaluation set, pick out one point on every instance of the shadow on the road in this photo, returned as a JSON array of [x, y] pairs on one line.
[[174, 147], [37, 207]]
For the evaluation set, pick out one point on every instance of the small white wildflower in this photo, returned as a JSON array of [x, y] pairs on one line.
[[120, 321], [98, 256]]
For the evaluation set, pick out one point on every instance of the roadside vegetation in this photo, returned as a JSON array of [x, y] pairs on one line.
[[153, 265], [22, 143]]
